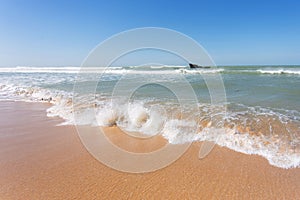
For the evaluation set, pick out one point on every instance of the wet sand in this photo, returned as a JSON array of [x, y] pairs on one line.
[[39, 160]]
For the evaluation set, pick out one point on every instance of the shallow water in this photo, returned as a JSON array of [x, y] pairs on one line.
[[260, 115]]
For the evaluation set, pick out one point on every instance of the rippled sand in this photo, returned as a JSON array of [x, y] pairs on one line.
[[42, 161]]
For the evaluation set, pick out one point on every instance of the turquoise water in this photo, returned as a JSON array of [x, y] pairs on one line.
[[270, 86], [260, 114]]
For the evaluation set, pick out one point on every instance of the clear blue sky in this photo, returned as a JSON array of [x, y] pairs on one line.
[[61, 33]]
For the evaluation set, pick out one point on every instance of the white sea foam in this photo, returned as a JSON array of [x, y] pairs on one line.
[[248, 144], [20, 69], [168, 66], [199, 71], [109, 70], [68, 70], [150, 120], [145, 70], [135, 117], [132, 117], [107, 116], [279, 71], [180, 131]]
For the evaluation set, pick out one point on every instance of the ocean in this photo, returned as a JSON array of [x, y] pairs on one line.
[[259, 114]]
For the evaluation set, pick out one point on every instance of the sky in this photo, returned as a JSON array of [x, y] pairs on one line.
[[62, 33]]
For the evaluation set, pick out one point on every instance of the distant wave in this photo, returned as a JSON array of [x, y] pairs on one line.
[[167, 66], [109, 70], [278, 71], [200, 71], [39, 69], [157, 67], [151, 70]]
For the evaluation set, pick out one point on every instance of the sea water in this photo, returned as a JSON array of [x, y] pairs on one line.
[[260, 115]]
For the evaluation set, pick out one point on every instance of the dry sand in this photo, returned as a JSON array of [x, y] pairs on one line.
[[39, 160]]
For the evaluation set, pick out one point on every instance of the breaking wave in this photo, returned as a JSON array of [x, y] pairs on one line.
[[279, 71], [252, 130]]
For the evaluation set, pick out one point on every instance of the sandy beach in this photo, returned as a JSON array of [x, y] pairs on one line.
[[39, 160]]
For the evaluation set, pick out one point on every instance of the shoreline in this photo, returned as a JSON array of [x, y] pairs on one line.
[[40, 160]]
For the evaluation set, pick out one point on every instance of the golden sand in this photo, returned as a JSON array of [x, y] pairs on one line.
[[39, 160]]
